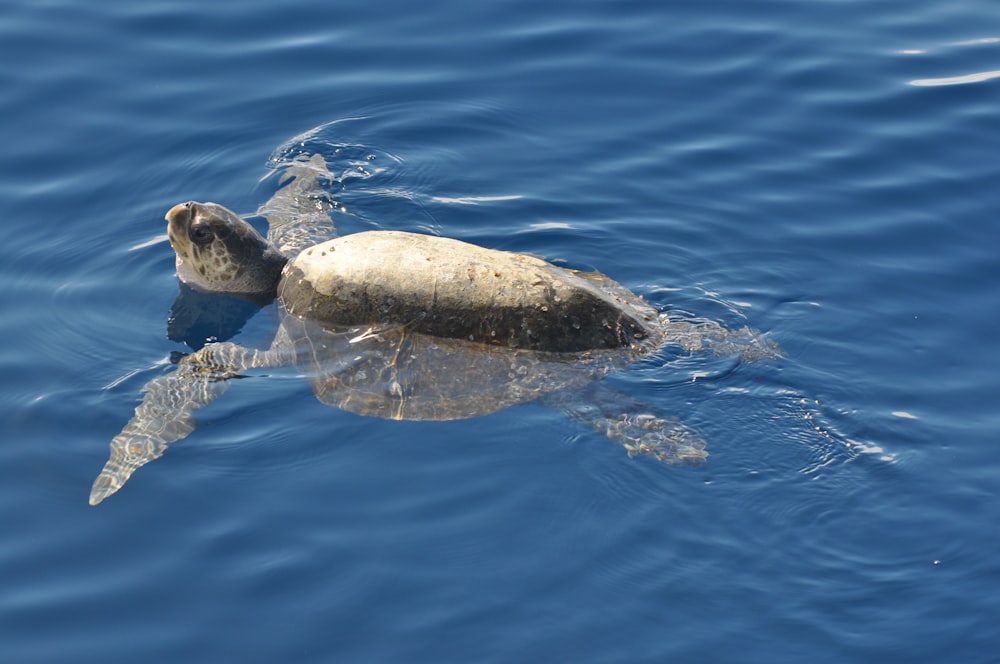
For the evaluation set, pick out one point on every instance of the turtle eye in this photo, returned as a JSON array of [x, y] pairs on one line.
[[201, 234]]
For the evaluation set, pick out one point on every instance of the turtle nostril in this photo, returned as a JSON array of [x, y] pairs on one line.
[[179, 213]]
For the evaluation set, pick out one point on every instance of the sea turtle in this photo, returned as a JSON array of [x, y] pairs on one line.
[[406, 326]]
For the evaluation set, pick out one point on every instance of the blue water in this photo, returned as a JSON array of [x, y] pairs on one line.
[[826, 172]]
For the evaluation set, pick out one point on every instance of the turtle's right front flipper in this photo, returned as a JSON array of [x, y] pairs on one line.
[[165, 414]]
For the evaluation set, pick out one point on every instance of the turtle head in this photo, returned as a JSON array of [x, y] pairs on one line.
[[219, 252]]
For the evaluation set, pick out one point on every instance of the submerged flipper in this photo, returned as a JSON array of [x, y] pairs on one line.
[[165, 414], [635, 425], [298, 214], [697, 335], [631, 423]]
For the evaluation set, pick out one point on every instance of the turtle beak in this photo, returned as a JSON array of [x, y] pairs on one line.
[[180, 214], [178, 219]]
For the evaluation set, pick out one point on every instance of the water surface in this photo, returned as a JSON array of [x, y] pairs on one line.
[[823, 172]]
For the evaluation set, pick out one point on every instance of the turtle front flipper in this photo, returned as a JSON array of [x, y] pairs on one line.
[[298, 214], [165, 414]]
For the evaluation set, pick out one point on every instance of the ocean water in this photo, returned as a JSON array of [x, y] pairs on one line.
[[826, 173]]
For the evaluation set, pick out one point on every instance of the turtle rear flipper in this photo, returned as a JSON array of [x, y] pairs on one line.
[[631, 423], [697, 335]]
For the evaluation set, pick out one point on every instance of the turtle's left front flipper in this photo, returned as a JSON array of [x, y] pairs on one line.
[[165, 414], [298, 214]]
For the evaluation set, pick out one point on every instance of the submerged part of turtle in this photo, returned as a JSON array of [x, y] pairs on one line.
[[407, 326]]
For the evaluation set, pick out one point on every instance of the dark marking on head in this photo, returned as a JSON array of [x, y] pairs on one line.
[[218, 251]]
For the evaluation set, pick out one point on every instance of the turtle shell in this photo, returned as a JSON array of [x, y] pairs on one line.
[[451, 289], [407, 326]]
